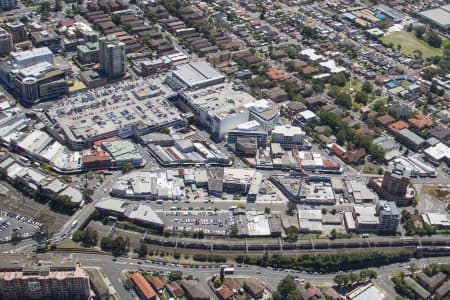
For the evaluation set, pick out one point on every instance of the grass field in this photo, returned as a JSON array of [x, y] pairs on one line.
[[445, 42], [367, 168], [410, 43]]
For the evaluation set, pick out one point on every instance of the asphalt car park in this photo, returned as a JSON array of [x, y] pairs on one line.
[[17, 223], [209, 222]]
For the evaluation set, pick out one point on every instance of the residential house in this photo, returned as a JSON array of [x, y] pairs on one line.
[[224, 293], [157, 283], [420, 122], [385, 120], [277, 74], [397, 126], [193, 290], [175, 290], [276, 94], [311, 293], [254, 288]]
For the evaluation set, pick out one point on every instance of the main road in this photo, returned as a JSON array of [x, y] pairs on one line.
[[114, 270]]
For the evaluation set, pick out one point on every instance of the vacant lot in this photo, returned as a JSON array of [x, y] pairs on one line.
[[439, 193], [13, 201], [409, 43]]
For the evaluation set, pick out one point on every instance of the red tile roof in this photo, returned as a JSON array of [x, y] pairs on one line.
[[157, 283], [175, 289], [338, 150], [96, 156], [232, 284], [143, 286], [277, 74], [111, 139], [224, 293], [420, 122], [397, 126]]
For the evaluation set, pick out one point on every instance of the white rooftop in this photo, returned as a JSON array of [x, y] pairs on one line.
[[331, 65], [307, 115], [22, 55], [288, 130], [311, 53], [310, 214], [37, 70], [436, 219], [438, 151], [250, 125], [145, 213], [366, 214]]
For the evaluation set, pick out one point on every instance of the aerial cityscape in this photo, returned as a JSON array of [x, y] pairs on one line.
[[225, 150]]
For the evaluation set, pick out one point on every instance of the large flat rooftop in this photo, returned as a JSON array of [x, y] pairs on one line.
[[198, 74], [221, 100], [440, 15], [114, 108]]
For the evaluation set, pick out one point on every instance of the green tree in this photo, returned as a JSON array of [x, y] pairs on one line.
[[89, 237], [115, 18], [24, 20], [367, 87], [291, 207], [344, 100], [361, 97], [286, 286], [419, 31], [127, 167], [292, 233], [175, 275], [16, 237], [294, 295], [333, 234], [434, 40], [341, 137], [338, 79], [127, 27], [217, 282], [418, 54], [222, 274], [142, 250], [165, 130]]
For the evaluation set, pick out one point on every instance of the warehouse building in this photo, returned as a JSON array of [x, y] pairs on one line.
[[197, 75], [439, 16], [310, 220]]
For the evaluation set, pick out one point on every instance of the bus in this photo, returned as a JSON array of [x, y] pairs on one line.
[[228, 270]]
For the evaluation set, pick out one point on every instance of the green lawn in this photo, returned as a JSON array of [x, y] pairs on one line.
[[410, 43], [445, 43], [367, 168]]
